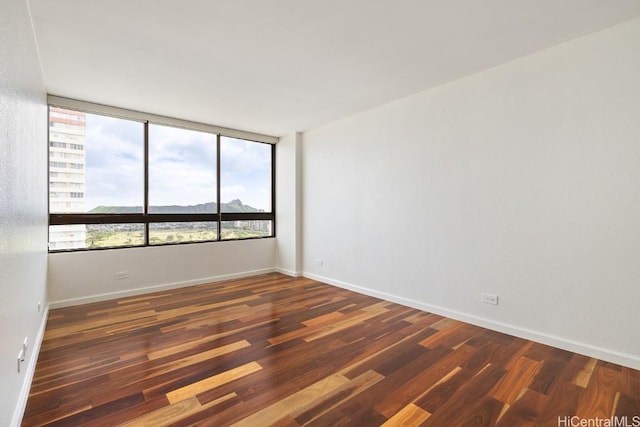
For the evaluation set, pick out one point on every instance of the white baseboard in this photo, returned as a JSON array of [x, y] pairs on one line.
[[21, 405], [289, 272], [155, 288], [625, 359]]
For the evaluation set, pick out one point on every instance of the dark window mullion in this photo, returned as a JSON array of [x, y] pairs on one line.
[[145, 208], [273, 190], [192, 217], [88, 218], [247, 216], [219, 213]]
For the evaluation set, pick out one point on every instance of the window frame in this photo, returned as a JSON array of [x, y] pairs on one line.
[[145, 217]]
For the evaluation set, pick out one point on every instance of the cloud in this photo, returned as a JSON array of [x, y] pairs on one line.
[[114, 162], [245, 172], [181, 166]]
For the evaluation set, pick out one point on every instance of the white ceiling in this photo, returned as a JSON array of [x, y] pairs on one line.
[[280, 66]]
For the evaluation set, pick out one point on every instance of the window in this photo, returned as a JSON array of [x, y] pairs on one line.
[[182, 170], [139, 181], [245, 174]]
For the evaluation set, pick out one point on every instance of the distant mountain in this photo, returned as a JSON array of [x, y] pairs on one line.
[[211, 207]]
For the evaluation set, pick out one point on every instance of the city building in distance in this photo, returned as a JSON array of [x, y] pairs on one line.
[[67, 179]]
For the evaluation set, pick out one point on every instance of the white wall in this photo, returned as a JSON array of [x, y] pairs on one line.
[[288, 205], [522, 181], [23, 205], [81, 277]]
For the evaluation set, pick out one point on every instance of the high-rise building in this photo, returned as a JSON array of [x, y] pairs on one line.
[[67, 179]]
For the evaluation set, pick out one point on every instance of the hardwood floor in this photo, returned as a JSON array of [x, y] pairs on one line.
[[275, 350]]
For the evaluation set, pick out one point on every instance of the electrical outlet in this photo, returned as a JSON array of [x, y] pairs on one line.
[[121, 275], [39, 306], [490, 299], [319, 262]]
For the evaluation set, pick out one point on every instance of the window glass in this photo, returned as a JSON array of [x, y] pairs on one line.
[[114, 235], [245, 229], [93, 236], [182, 232], [65, 237], [245, 175], [182, 170], [95, 163]]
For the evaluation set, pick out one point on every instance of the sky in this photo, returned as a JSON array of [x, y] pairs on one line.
[[181, 166]]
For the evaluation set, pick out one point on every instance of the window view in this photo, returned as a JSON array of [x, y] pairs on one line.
[[245, 229], [114, 235], [97, 184], [245, 180], [182, 170], [181, 232], [245, 176], [95, 166]]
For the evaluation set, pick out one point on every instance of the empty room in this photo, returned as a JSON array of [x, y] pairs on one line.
[[337, 213]]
